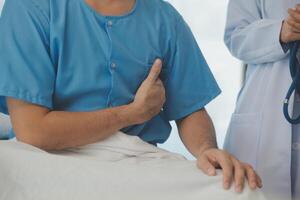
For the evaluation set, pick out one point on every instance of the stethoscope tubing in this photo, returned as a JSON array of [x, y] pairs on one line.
[[295, 74]]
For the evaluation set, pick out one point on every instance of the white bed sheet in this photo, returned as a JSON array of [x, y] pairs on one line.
[[121, 167]]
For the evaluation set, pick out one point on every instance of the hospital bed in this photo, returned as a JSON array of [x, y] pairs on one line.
[[121, 167]]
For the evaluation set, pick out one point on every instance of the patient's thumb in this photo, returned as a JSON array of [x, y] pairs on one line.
[[207, 168], [155, 70]]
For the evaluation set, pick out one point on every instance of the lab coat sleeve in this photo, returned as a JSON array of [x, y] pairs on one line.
[[251, 38]]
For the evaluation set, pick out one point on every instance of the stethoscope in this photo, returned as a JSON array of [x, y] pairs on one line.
[[295, 86]]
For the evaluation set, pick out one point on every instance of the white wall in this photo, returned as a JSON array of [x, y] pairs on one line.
[[1, 5], [207, 21]]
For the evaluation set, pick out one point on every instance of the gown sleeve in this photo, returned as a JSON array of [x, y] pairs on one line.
[[27, 72], [190, 84]]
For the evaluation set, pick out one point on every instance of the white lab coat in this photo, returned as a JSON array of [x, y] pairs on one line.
[[258, 132]]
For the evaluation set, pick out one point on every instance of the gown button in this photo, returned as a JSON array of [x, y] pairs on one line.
[[113, 65], [109, 23]]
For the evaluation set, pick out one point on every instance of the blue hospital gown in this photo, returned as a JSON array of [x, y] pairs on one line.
[[65, 56]]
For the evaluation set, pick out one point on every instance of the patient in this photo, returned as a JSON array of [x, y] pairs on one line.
[[75, 72]]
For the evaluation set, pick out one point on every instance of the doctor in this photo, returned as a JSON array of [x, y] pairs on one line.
[[257, 32]]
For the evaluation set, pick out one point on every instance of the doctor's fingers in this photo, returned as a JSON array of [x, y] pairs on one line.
[[293, 22], [293, 36], [289, 33], [297, 7], [291, 26], [295, 14]]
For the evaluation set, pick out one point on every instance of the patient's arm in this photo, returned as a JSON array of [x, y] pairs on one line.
[[198, 134], [55, 130]]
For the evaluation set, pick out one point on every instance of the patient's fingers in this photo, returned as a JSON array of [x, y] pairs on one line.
[[155, 71], [239, 175], [259, 181], [227, 166], [232, 168], [253, 179], [204, 164]]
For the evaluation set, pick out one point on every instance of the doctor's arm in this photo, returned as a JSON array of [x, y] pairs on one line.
[[250, 37], [56, 130], [198, 134]]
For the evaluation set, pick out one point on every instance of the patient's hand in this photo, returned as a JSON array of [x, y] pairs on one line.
[[197, 132], [150, 97], [233, 169], [290, 30]]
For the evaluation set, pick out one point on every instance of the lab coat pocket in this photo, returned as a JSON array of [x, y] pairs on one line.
[[243, 137]]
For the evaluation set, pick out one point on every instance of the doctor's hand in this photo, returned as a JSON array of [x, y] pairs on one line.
[[233, 170], [150, 97], [290, 30]]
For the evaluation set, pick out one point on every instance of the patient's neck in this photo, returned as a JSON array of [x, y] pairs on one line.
[[112, 7]]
